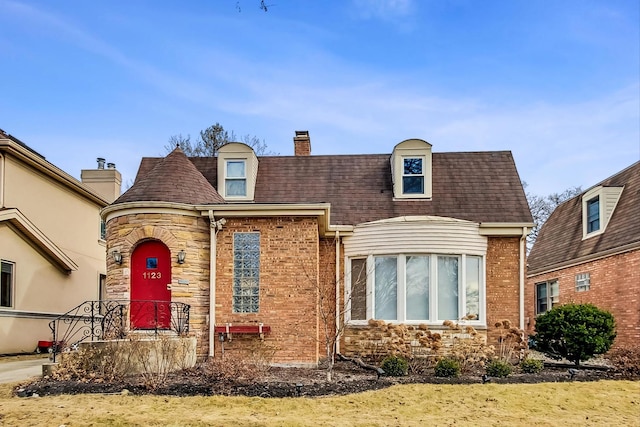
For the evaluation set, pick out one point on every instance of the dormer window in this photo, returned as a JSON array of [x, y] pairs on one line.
[[411, 170], [235, 181], [598, 205], [413, 175], [237, 172], [593, 215]]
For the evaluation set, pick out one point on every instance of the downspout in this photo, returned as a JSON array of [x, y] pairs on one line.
[[523, 241], [337, 289], [1, 181], [213, 231]]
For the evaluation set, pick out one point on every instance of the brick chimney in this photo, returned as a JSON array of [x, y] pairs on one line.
[[302, 143], [106, 182]]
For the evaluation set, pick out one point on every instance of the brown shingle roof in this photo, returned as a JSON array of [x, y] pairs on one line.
[[171, 179], [479, 186], [560, 239]]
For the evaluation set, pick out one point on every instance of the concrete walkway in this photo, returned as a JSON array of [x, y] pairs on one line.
[[15, 369]]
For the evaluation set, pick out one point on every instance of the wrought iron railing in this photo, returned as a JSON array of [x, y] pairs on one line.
[[114, 319]]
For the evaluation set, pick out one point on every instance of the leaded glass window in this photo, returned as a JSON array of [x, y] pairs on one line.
[[246, 272]]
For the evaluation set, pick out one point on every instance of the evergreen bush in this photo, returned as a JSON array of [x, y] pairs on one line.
[[575, 332]]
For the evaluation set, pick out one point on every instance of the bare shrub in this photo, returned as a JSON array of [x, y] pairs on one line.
[[94, 363], [470, 350], [512, 347], [625, 360], [230, 368]]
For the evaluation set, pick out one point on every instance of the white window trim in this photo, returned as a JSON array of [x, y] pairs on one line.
[[422, 175], [550, 302], [227, 177], [12, 285], [401, 292]]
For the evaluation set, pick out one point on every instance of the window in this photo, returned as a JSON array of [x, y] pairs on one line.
[[358, 289], [413, 175], [235, 178], [593, 215], [583, 282], [246, 272], [103, 230], [547, 295], [6, 284], [416, 287]]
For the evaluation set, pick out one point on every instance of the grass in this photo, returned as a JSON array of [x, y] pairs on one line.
[[614, 403]]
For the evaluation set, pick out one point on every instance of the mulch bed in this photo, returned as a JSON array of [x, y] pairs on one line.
[[293, 382]]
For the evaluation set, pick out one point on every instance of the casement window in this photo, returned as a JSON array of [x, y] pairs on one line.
[[6, 283], [235, 178], [413, 175], [547, 295], [593, 215], [583, 282], [103, 230], [416, 288], [246, 272]]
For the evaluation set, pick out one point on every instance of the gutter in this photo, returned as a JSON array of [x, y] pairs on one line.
[[2, 174]]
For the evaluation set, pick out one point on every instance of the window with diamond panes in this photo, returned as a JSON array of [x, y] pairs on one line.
[[246, 272]]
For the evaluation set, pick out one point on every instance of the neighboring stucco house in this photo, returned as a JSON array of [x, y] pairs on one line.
[[257, 245], [52, 254], [589, 251]]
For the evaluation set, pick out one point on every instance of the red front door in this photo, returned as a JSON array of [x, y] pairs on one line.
[[150, 280]]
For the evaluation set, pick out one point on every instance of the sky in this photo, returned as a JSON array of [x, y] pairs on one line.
[[555, 82]]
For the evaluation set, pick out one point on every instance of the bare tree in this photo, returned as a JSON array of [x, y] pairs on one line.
[[543, 206], [212, 139]]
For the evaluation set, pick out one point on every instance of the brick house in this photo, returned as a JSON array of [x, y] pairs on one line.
[[280, 247], [589, 251]]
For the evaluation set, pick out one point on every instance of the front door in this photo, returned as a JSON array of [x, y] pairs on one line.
[[150, 280]]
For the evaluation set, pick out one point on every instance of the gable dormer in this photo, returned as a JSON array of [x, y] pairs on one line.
[[411, 169], [598, 205], [237, 172]]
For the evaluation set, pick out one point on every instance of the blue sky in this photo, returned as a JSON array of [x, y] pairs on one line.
[[555, 82]]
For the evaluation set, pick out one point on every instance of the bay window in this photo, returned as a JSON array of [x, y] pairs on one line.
[[416, 288]]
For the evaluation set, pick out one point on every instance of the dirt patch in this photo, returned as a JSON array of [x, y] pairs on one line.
[[293, 382]]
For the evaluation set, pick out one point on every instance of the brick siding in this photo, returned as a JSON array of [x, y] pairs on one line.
[[614, 286]]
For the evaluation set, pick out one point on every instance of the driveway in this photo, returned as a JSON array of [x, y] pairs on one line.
[[15, 369]]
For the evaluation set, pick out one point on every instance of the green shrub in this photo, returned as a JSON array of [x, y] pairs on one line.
[[498, 369], [575, 332], [447, 368], [395, 366], [531, 366]]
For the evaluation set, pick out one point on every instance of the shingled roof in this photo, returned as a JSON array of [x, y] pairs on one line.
[[172, 179], [560, 239], [476, 186]]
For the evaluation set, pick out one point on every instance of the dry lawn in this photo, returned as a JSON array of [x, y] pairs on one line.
[[603, 403]]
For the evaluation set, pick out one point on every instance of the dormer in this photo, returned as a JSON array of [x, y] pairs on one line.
[[237, 172], [598, 205], [411, 169]]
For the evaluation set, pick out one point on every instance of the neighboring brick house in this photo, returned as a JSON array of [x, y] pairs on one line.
[[52, 254], [589, 251], [266, 244]]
